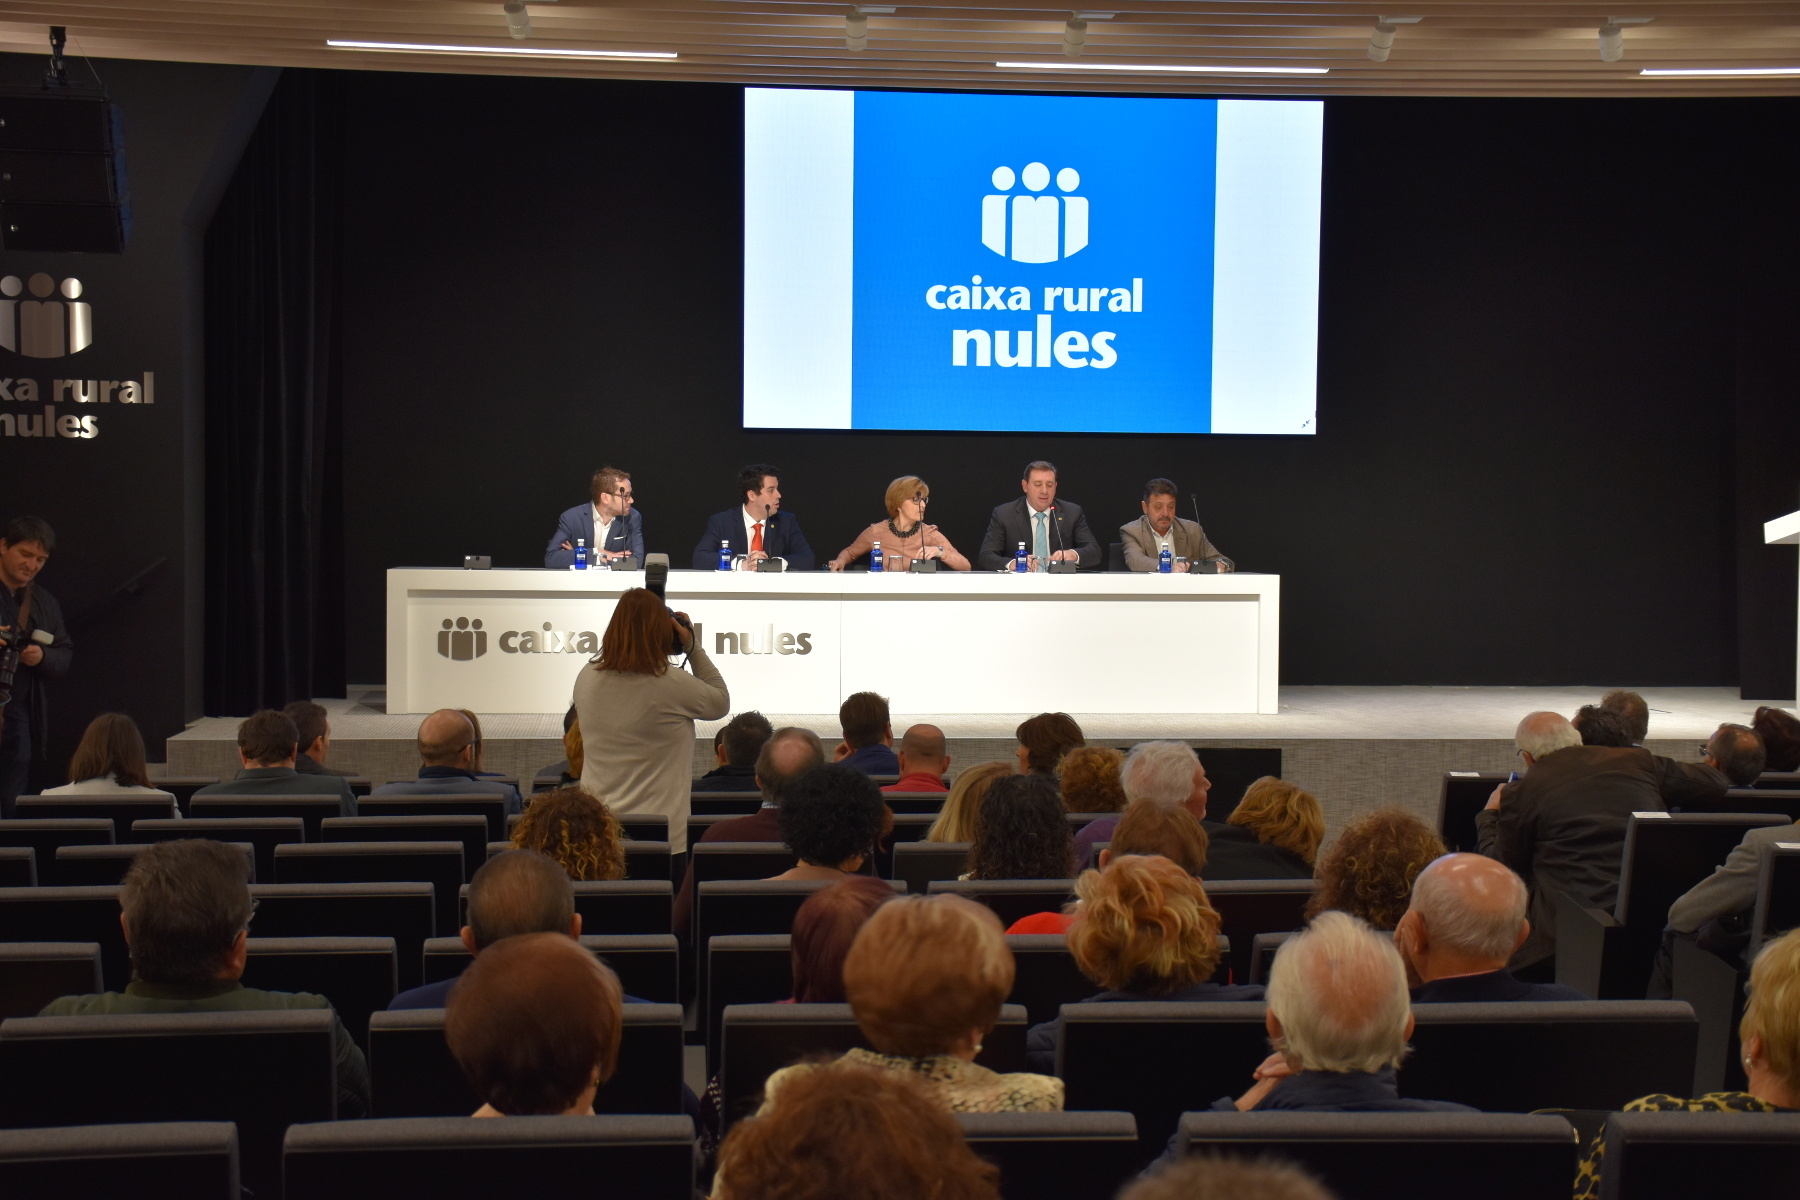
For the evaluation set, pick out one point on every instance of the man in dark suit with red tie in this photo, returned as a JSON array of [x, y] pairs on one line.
[[758, 530], [1053, 530]]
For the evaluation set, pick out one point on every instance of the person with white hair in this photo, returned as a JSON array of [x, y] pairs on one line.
[[1466, 918], [1170, 772], [1562, 826], [1339, 1018]]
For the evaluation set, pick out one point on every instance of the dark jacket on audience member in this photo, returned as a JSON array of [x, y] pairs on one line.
[[140, 999], [874, 759], [284, 781], [763, 825], [452, 781], [1562, 827], [1040, 1040], [306, 764], [728, 779], [1341, 1091], [436, 995], [1493, 986]]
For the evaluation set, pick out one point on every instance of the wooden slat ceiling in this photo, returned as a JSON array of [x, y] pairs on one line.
[[1468, 49]]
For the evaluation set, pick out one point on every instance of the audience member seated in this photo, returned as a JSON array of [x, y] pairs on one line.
[[1089, 778], [1209, 1178], [268, 743], [735, 747], [1339, 1019], [1770, 1037], [1284, 818], [447, 746], [1602, 727], [1044, 739], [1716, 911], [1369, 870], [109, 761], [535, 1023], [789, 753], [314, 725], [517, 891], [1168, 830], [868, 744], [1780, 733], [576, 831], [186, 912], [960, 817], [852, 1132], [570, 766], [1736, 752], [1562, 826], [1143, 930], [1466, 919], [1022, 834], [923, 761], [1633, 708], [475, 748], [831, 818], [926, 977]]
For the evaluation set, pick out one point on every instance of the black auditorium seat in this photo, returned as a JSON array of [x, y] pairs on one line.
[[438, 863], [918, 863], [18, 866], [1011, 899], [120, 810], [491, 807], [310, 809], [648, 860], [1262, 956], [451, 1158], [196, 1160], [405, 912], [469, 829], [1777, 896], [1232, 769], [78, 865], [724, 804], [1381, 1155], [1780, 780], [643, 828], [743, 968], [611, 906], [43, 836], [915, 804], [759, 1039], [646, 963], [1045, 976], [182, 786], [359, 975], [415, 1075], [32, 974], [739, 860], [70, 914], [1460, 797], [1680, 1155], [1783, 802], [264, 833], [1055, 1155], [1247, 907], [262, 1070]]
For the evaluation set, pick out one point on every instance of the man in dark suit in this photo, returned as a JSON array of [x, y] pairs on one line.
[[756, 530], [609, 527], [24, 721], [268, 743], [314, 725], [1466, 917], [735, 746], [1052, 530], [446, 764]]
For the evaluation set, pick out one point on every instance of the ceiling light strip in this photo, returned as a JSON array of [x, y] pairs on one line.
[[1157, 68], [1716, 72], [499, 51]]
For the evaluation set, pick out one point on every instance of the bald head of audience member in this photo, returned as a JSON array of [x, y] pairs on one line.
[[446, 739], [515, 892], [789, 753], [1338, 999], [1737, 752], [1466, 918], [1543, 733], [921, 751]]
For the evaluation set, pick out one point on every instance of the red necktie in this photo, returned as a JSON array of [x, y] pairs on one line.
[[756, 539]]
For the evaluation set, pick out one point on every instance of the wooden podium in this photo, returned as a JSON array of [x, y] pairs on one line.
[[1786, 531]]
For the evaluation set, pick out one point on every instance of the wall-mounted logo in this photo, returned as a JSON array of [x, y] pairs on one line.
[[1034, 226], [44, 326], [462, 639]]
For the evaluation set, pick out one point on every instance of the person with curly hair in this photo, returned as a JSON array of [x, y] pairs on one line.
[[1168, 830], [574, 828], [1283, 817], [1143, 930], [1369, 871], [1023, 834], [831, 818], [960, 817], [857, 1132], [1090, 780]]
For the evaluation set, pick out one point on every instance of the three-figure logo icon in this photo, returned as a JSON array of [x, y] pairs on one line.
[[462, 639], [44, 327], [1042, 228]]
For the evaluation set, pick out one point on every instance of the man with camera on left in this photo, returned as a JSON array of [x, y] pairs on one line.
[[34, 648]]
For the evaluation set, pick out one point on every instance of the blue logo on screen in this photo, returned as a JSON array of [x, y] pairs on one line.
[[1033, 262]]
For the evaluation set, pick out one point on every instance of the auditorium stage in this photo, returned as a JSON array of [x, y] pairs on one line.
[[1354, 747]]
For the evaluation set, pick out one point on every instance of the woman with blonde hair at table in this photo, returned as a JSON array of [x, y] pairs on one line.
[[904, 536]]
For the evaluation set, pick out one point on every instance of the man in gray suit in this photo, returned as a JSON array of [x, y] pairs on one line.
[[268, 743], [447, 758], [1715, 912], [1145, 537], [1053, 530], [609, 527]]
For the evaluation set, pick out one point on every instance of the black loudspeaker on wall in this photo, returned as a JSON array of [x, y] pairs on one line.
[[62, 174]]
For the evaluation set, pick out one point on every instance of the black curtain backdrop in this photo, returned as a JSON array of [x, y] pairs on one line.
[[274, 411]]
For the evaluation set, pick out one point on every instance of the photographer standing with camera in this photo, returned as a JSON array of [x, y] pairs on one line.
[[34, 648], [637, 712]]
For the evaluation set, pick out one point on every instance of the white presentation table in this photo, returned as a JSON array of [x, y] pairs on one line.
[[947, 643]]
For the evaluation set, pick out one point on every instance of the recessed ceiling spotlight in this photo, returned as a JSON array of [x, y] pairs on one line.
[[518, 21], [856, 25], [1612, 36], [1382, 40]]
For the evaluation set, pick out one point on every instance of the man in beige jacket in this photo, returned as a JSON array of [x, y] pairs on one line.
[[1145, 537]]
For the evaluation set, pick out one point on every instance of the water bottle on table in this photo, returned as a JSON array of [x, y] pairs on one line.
[[724, 556], [875, 558], [581, 555], [1021, 560], [1165, 562]]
